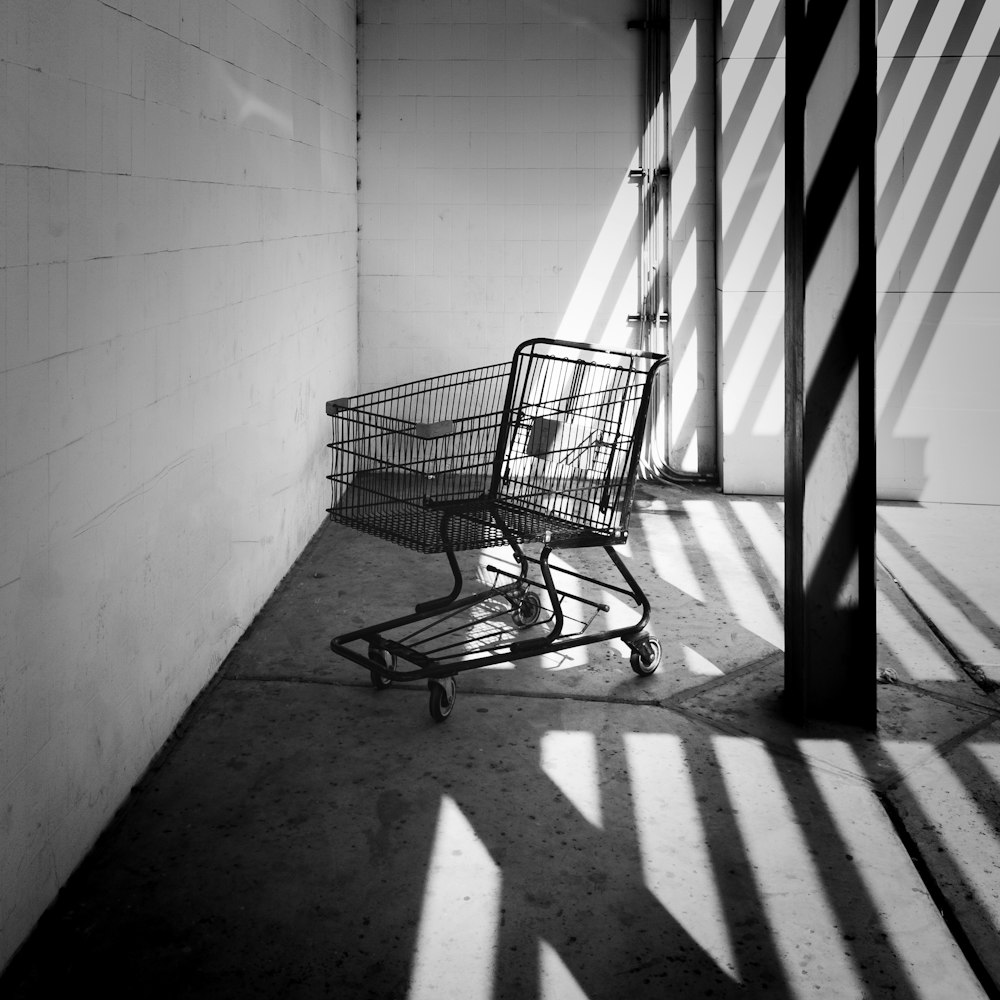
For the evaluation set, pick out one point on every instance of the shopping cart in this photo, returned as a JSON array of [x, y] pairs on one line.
[[542, 449]]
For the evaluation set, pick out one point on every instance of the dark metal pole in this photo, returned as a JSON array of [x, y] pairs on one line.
[[830, 118]]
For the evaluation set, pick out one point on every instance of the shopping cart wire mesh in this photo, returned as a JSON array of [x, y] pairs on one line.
[[544, 448]]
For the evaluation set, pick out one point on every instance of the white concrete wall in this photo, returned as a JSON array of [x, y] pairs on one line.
[[495, 144], [751, 264], [939, 243], [938, 319], [178, 278]]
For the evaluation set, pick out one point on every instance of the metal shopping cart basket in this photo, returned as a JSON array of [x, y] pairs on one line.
[[542, 449]]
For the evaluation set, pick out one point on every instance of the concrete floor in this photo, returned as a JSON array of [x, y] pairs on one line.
[[573, 830]]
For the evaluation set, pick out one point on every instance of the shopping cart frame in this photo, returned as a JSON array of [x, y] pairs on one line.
[[445, 465]]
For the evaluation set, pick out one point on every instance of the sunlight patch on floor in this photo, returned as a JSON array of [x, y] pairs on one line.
[[556, 981], [700, 665], [570, 761], [962, 825], [791, 887], [460, 915], [676, 863], [741, 589], [907, 917]]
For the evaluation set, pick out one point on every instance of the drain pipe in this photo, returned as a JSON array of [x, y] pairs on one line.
[[653, 178]]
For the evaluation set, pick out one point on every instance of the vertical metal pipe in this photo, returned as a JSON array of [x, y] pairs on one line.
[[654, 175]]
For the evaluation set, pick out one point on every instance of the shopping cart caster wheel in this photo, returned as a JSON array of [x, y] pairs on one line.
[[646, 656], [379, 680], [443, 694], [527, 610]]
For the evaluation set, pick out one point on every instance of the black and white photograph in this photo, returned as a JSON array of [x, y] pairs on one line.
[[500, 499]]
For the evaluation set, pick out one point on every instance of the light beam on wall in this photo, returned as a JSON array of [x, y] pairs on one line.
[[591, 289], [252, 108]]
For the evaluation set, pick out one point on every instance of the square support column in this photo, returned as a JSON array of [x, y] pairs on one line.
[[830, 116]]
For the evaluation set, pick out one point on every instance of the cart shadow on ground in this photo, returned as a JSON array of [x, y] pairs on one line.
[[573, 830]]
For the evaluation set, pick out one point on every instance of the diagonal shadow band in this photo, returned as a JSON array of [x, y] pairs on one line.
[[972, 612], [834, 371], [962, 137], [834, 175], [559, 871], [736, 232], [822, 20], [735, 127], [922, 121], [916, 28], [926, 329]]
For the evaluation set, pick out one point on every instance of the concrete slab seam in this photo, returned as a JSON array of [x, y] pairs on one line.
[[939, 897], [944, 748], [414, 687], [975, 672], [992, 708], [716, 682]]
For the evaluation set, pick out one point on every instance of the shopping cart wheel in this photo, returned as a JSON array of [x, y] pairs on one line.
[[527, 610], [646, 655], [379, 680], [443, 694]]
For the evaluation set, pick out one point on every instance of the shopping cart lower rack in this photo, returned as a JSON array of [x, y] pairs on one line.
[[543, 449]]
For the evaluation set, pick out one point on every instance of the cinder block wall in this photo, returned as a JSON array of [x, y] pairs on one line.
[[495, 144], [178, 278], [495, 141]]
